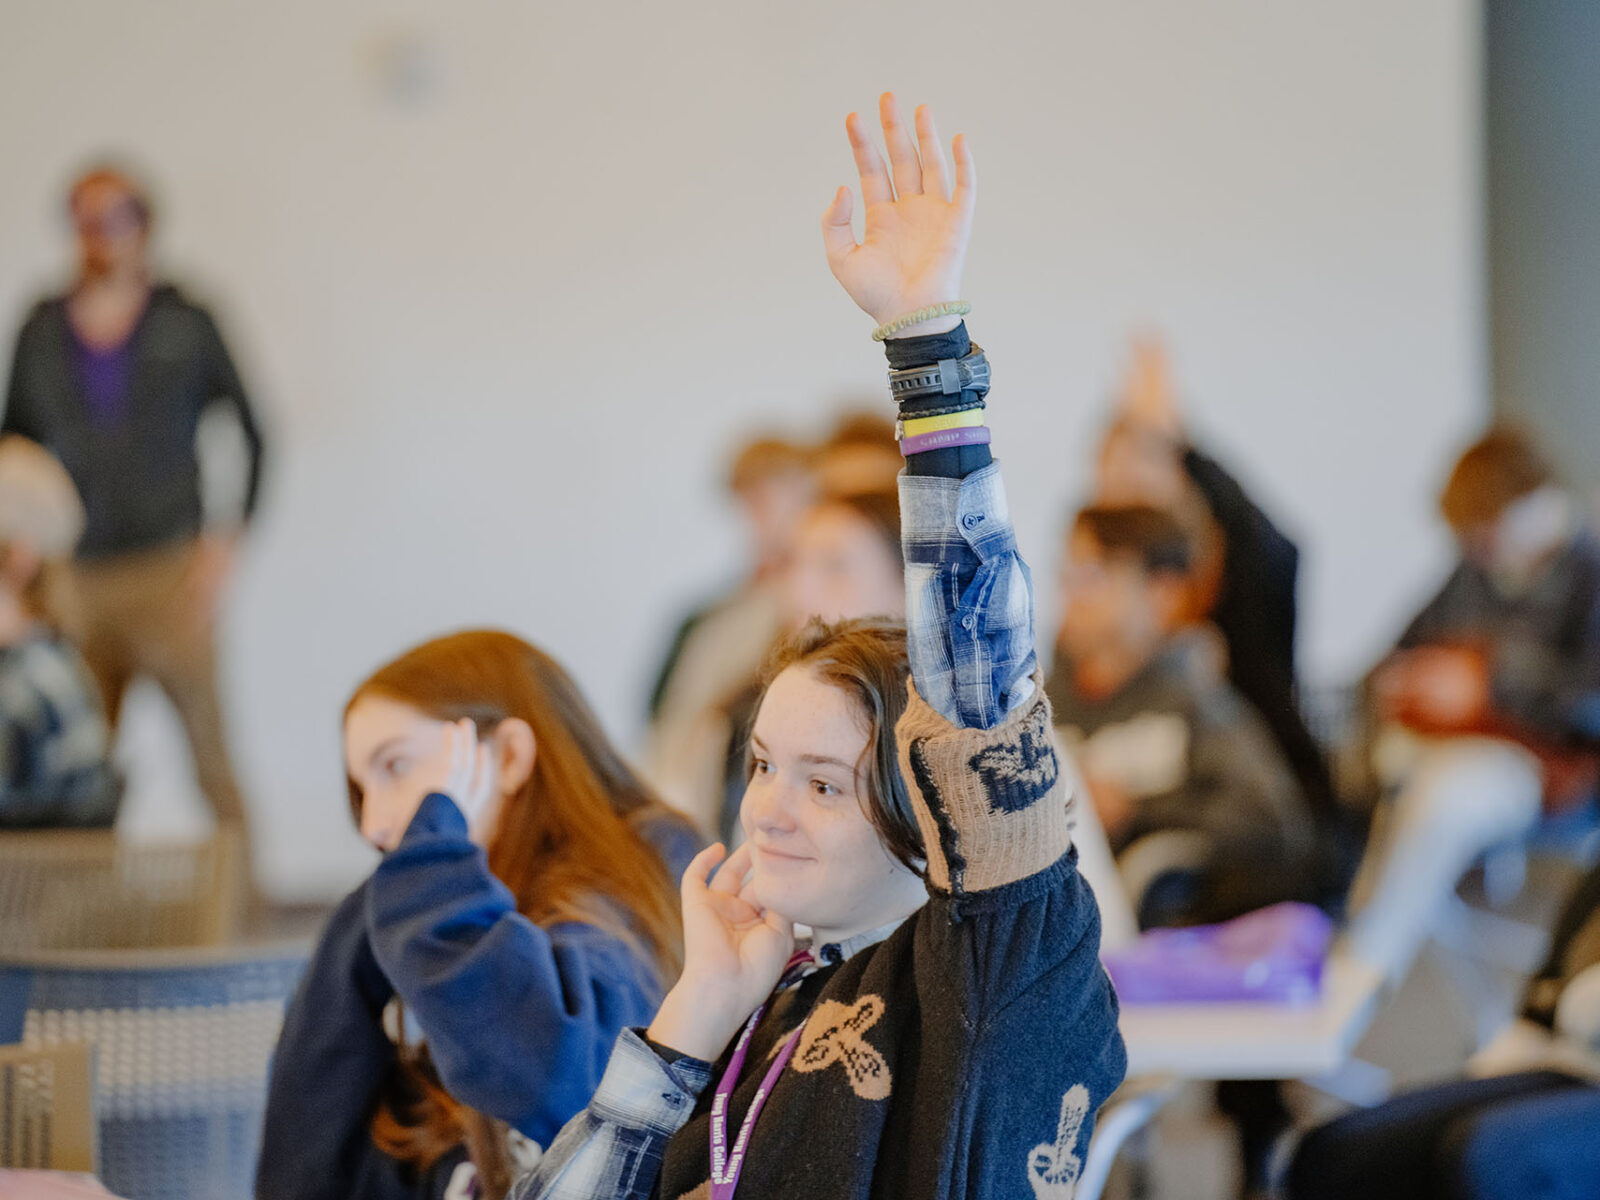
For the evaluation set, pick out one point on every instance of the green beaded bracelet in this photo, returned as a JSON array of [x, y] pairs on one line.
[[951, 308]]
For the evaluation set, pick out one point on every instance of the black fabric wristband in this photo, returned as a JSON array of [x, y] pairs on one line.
[[959, 461], [942, 410], [666, 1053]]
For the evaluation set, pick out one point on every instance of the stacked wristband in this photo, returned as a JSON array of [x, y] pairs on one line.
[[942, 405], [947, 439]]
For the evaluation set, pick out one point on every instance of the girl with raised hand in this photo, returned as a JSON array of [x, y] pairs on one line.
[[946, 1028], [462, 1001]]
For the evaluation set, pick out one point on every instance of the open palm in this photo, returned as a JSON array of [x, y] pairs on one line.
[[916, 228]]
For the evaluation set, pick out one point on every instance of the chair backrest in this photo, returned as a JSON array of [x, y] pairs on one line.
[[182, 1042], [87, 890], [47, 1117]]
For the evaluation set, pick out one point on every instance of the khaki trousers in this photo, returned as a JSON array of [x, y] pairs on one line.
[[140, 614]]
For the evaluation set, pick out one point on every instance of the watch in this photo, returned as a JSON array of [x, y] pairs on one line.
[[947, 377]]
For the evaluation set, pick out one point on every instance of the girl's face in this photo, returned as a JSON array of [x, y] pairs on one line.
[[815, 858], [396, 756]]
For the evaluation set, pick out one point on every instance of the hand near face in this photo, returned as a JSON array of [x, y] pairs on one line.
[[734, 954], [1149, 398], [462, 767], [916, 228]]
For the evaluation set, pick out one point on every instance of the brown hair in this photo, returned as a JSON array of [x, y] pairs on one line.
[[866, 659], [568, 846], [1501, 467], [766, 458], [1153, 537], [859, 455]]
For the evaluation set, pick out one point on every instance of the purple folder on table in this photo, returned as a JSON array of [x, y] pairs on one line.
[[1271, 956]]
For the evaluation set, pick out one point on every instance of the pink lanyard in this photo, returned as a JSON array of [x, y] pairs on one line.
[[725, 1167]]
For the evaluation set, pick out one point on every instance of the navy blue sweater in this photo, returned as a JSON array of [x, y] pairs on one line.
[[519, 1019]]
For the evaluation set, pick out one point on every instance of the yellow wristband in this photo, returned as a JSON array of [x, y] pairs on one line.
[[969, 418]]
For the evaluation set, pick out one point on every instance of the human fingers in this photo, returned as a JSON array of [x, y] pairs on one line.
[[875, 185], [935, 179], [902, 152]]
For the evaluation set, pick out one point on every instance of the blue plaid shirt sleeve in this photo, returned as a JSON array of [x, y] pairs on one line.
[[612, 1150], [969, 598]]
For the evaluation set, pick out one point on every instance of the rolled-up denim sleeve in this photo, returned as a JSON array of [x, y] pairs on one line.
[[612, 1150], [969, 598]]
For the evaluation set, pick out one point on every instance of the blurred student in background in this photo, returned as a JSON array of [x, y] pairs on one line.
[[1166, 746], [719, 647], [1490, 703], [1510, 645], [462, 1000], [1246, 568], [859, 455], [55, 767], [772, 483], [113, 378], [840, 558], [847, 561]]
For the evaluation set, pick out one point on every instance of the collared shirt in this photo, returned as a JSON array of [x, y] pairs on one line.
[[969, 616], [614, 1147]]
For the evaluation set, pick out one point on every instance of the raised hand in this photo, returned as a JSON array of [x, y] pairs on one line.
[[916, 228], [1149, 397], [734, 954]]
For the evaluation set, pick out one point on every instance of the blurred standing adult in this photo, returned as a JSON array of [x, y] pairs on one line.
[[113, 377]]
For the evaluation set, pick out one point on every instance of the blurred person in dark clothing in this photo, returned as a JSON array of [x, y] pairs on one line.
[[1164, 742], [1510, 644], [1246, 570], [113, 378]]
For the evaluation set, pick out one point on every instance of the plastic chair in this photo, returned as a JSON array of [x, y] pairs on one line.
[[87, 890], [182, 1042]]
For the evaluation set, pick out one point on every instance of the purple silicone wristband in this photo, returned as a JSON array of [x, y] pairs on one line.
[[977, 435]]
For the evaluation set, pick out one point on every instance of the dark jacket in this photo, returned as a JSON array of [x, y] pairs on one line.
[[518, 1019], [1196, 758], [1256, 613], [139, 476], [1542, 645]]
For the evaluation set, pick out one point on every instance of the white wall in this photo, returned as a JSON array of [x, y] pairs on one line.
[[504, 330]]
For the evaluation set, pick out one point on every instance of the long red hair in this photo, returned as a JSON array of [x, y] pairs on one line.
[[568, 846]]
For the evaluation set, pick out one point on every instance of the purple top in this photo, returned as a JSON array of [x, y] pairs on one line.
[[106, 376]]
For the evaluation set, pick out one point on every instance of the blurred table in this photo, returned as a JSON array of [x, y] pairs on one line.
[[1256, 1041]]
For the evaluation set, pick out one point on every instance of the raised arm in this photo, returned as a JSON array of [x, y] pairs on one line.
[[976, 746], [969, 598]]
